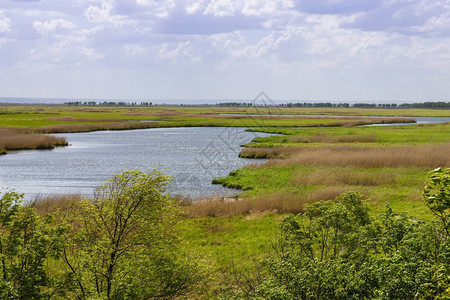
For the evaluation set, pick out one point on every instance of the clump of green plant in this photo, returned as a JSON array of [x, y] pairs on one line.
[[336, 250]]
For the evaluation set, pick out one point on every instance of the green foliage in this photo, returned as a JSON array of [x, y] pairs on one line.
[[330, 230], [27, 241], [122, 244], [336, 251], [437, 195]]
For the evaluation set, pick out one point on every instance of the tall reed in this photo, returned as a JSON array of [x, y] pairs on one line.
[[384, 156], [14, 139], [45, 204]]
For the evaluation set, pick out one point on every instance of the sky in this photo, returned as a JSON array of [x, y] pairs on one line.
[[306, 50]]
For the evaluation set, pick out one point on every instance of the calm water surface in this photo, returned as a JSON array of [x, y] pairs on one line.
[[193, 156]]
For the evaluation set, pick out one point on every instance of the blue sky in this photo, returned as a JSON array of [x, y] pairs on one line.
[[337, 50]]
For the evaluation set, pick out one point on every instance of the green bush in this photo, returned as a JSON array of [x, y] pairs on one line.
[[337, 251]]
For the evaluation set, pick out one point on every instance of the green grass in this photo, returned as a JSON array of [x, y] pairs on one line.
[[36, 117], [231, 240], [383, 135], [229, 246], [399, 186]]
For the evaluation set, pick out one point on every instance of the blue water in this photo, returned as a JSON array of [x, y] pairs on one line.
[[193, 156]]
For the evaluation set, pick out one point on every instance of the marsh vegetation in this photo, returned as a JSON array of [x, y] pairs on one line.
[[335, 210], [15, 139]]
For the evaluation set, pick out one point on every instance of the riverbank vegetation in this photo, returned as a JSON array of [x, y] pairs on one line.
[[132, 241], [54, 119], [14, 139], [47, 119], [385, 164], [19, 123]]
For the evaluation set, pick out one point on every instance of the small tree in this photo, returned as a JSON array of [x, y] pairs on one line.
[[27, 241], [126, 234]]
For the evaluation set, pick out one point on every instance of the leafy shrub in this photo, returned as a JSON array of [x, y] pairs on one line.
[[337, 251]]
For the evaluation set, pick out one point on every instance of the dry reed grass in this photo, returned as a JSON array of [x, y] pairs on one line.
[[277, 202], [45, 204], [322, 138], [324, 194], [393, 156], [72, 119], [65, 128], [357, 121], [275, 152], [13, 139], [343, 177]]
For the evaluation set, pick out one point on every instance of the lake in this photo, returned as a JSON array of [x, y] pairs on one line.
[[193, 156]]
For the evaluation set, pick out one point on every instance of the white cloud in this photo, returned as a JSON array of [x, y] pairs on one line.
[[194, 6], [226, 40], [135, 50], [5, 23], [182, 49], [47, 27], [264, 7], [268, 44], [99, 14], [220, 8]]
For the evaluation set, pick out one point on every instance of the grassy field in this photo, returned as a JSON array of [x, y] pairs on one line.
[[51, 119], [46, 119], [387, 164]]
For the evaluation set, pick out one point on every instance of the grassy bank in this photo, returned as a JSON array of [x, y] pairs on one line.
[[53, 119], [385, 164], [14, 139], [20, 122]]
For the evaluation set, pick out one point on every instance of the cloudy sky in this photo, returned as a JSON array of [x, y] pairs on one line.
[[337, 50]]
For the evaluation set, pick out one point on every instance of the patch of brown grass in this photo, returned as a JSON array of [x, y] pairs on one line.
[[72, 119], [368, 121], [393, 156], [343, 177], [65, 128], [45, 204], [279, 202], [324, 194], [275, 152], [13, 139], [322, 138]]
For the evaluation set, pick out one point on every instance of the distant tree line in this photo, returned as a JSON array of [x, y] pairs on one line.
[[431, 105], [107, 103], [235, 104], [320, 104]]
